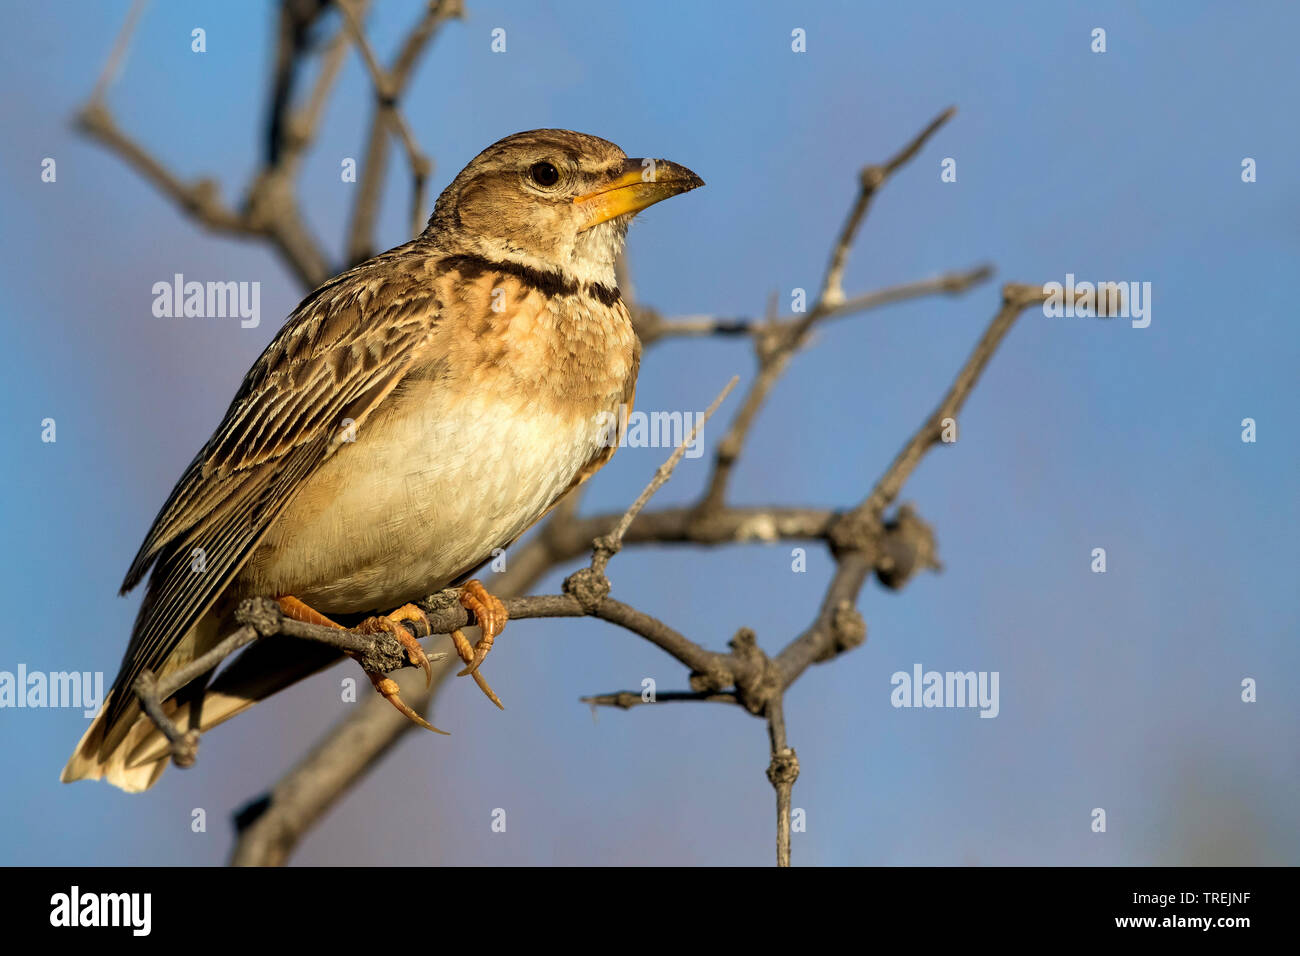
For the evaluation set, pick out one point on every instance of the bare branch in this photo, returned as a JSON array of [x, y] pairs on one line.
[[270, 827], [270, 211], [627, 699], [608, 545], [117, 56], [692, 326], [859, 538], [292, 131], [183, 745], [870, 180], [387, 89], [390, 85], [1015, 299], [199, 199], [782, 772], [775, 344]]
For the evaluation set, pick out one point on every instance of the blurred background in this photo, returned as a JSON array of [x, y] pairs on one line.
[[1119, 690]]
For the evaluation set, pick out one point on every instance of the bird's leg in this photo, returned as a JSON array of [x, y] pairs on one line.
[[293, 608], [491, 616]]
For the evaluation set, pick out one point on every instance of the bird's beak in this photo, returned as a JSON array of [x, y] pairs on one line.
[[640, 183]]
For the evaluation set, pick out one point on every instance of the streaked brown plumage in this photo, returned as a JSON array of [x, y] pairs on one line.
[[414, 413]]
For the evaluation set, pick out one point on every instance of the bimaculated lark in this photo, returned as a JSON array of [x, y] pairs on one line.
[[414, 414]]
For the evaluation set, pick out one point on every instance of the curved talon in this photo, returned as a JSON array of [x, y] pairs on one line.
[[476, 658], [466, 652], [391, 624], [491, 616], [487, 689], [388, 687]]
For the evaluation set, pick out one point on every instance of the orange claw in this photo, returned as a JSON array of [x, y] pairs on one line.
[[388, 624], [392, 624], [491, 616], [466, 652], [388, 687]]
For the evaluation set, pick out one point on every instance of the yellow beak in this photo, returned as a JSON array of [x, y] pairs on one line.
[[641, 183]]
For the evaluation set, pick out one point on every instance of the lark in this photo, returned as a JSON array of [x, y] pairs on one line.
[[414, 414]]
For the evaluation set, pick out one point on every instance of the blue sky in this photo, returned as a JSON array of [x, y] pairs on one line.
[[1118, 690]]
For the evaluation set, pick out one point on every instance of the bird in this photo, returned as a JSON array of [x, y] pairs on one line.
[[414, 414]]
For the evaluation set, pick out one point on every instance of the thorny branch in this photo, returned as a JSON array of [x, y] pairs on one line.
[[862, 540]]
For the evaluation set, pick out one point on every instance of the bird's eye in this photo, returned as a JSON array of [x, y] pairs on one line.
[[544, 174]]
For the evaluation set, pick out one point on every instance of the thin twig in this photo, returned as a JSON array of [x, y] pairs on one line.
[[608, 545], [692, 326], [870, 181], [390, 85], [782, 772], [627, 699], [270, 211], [387, 89], [858, 534], [1015, 299], [776, 344]]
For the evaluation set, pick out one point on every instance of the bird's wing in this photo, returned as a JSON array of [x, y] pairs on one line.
[[341, 352]]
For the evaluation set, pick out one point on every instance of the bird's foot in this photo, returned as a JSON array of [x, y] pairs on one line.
[[491, 616], [388, 624], [391, 624]]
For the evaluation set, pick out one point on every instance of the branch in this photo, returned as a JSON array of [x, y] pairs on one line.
[[270, 211], [870, 180], [860, 539], [862, 542], [606, 546], [298, 19], [269, 828], [390, 85], [782, 772], [1015, 299], [775, 344], [117, 56], [627, 699], [654, 327]]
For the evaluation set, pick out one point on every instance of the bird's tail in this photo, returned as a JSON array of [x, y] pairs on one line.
[[105, 749], [132, 752]]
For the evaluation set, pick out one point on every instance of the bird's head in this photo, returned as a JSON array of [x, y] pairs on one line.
[[553, 200]]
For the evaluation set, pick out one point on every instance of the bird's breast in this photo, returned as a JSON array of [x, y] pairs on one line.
[[481, 437]]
